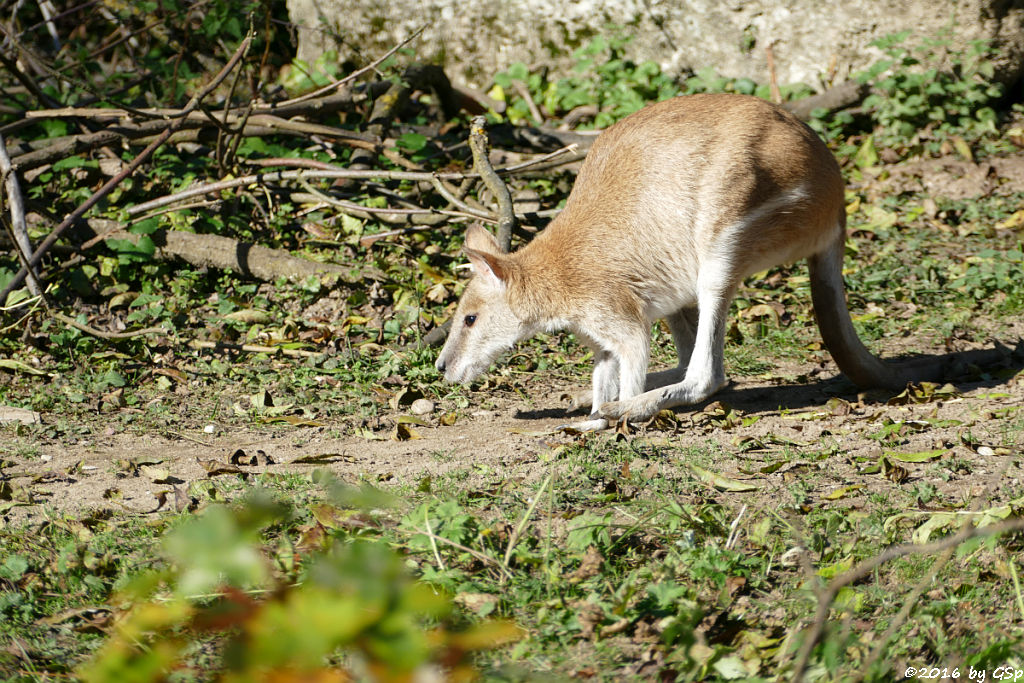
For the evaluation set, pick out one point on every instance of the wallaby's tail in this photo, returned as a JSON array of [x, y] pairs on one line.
[[829, 296]]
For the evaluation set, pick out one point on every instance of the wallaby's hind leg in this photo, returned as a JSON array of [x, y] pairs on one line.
[[683, 325], [705, 371]]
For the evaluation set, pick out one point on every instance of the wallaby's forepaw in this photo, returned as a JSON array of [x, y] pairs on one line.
[[594, 425], [580, 402]]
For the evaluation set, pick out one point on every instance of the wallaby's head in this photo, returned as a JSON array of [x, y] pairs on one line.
[[484, 324]]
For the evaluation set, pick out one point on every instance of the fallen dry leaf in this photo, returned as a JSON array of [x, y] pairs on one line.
[[589, 567]]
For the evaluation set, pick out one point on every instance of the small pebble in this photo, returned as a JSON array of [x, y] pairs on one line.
[[209, 429], [422, 406]]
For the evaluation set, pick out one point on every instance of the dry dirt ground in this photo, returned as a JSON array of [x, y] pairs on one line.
[[790, 430], [793, 431]]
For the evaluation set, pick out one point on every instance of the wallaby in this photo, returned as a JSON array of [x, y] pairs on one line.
[[674, 206]]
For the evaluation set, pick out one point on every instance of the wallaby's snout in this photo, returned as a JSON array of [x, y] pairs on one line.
[[442, 366]]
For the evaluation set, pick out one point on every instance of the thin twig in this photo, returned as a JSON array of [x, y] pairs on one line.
[[280, 176], [517, 532], [524, 92], [127, 171], [48, 11], [118, 227], [486, 559], [731, 540], [323, 170], [1016, 585], [297, 162], [274, 177], [229, 137], [59, 75], [35, 153], [93, 332], [29, 84], [19, 229], [773, 77], [506, 213], [388, 213], [433, 543], [341, 82], [568, 149], [34, 302], [456, 202]]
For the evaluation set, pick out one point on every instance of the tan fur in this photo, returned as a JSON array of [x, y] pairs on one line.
[[674, 206]]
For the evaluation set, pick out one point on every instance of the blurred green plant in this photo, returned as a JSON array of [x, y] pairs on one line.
[[341, 609]]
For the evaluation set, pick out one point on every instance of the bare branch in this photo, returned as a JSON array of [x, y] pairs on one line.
[[19, 230], [868, 566], [37, 153], [506, 213], [101, 334], [253, 348], [127, 171], [250, 260], [324, 171]]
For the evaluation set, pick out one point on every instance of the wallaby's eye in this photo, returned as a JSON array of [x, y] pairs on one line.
[[469, 320]]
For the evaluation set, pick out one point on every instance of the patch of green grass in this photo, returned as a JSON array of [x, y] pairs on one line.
[[619, 553]]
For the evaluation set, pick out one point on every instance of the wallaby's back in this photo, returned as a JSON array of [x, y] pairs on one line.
[[684, 181]]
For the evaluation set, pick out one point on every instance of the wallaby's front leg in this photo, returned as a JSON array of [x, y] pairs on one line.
[[705, 373], [631, 349], [683, 325], [620, 367], [605, 384], [584, 400]]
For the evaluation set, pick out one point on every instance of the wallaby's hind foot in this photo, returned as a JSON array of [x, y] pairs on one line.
[[584, 400], [648, 404], [594, 425]]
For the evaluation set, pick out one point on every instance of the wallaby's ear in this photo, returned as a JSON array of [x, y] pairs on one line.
[[493, 268], [478, 238]]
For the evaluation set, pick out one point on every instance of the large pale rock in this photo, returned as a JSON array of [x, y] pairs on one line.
[[813, 42]]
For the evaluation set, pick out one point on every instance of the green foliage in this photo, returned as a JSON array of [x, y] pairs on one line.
[[603, 77], [991, 273], [706, 79], [615, 85], [351, 605], [929, 84]]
